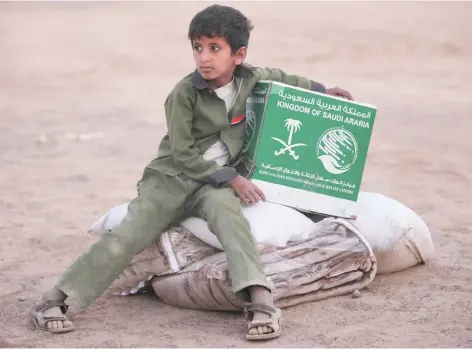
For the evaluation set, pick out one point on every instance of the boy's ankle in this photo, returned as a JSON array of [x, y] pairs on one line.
[[261, 294], [54, 294]]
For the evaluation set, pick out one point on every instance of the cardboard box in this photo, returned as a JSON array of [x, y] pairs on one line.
[[307, 150]]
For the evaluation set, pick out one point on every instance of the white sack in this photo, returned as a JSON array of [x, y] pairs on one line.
[[270, 224], [398, 236], [110, 219]]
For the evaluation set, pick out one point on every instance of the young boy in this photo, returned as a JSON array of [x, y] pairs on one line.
[[193, 173]]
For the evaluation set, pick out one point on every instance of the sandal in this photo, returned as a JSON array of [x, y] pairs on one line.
[[37, 314], [274, 322]]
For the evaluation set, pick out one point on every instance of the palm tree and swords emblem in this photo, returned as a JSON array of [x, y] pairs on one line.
[[292, 126]]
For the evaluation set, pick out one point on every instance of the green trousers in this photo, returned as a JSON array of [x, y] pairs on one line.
[[162, 201]]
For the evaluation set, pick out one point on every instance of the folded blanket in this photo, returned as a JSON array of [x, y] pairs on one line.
[[176, 249], [335, 260]]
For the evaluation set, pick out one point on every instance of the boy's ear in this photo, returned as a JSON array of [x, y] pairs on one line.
[[240, 55]]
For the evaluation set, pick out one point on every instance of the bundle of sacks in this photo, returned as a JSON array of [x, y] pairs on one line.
[[305, 257]]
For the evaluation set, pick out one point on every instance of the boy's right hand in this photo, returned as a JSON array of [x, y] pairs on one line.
[[247, 191]]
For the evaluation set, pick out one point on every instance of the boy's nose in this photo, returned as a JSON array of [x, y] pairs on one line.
[[205, 56]]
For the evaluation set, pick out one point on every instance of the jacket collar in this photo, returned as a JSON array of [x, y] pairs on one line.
[[242, 71]]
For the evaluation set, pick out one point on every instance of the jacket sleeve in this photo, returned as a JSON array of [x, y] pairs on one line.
[[179, 108], [279, 75]]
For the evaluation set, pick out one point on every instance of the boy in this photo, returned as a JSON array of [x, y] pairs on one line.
[[194, 172]]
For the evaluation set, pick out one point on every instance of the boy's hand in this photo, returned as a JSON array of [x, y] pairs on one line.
[[247, 191], [336, 91]]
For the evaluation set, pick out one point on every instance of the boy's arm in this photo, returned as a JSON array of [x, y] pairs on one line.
[[279, 75], [186, 156]]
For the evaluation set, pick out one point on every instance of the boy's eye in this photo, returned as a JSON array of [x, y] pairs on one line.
[[197, 48], [215, 48]]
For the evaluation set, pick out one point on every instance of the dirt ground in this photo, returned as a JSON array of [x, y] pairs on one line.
[[82, 87]]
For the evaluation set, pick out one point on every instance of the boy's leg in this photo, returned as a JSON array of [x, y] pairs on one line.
[[159, 203], [221, 209]]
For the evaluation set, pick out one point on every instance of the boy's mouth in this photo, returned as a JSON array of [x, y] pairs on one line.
[[206, 69]]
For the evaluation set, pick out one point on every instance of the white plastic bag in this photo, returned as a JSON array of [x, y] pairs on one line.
[[398, 236], [270, 224]]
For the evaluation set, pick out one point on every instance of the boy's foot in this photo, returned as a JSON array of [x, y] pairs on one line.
[[263, 329], [50, 316], [49, 313], [264, 317]]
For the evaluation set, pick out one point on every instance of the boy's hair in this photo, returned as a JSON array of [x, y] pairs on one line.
[[222, 21]]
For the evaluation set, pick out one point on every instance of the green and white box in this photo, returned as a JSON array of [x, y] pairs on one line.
[[305, 149]]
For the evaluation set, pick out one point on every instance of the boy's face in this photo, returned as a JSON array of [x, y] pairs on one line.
[[214, 59]]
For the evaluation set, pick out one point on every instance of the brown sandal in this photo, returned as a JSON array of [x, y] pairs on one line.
[[37, 314], [273, 322]]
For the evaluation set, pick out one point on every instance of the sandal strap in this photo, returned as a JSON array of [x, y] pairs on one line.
[[51, 304], [260, 323], [262, 308], [54, 318], [256, 307]]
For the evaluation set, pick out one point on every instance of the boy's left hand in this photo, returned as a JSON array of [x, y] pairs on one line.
[[247, 191], [338, 92]]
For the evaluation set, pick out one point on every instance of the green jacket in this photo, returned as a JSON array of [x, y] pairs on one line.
[[196, 117]]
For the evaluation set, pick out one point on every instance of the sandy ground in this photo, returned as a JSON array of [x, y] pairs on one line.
[[103, 70]]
